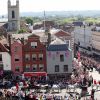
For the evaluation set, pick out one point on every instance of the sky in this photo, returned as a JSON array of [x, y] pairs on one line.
[[52, 5]]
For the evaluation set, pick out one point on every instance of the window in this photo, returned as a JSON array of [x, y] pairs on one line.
[[34, 57], [40, 56], [16, 49], [27, 57], [16, 59], [41, 67], [67, 42], [27, 68], [33, 44], [13, 14], [17, 69], [34, 67], [56, 68], [65, 68], [61, 58], [0, 57], [1, 66]]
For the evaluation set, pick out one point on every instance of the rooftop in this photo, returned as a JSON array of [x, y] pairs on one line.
[[57, 41], [60, 47]]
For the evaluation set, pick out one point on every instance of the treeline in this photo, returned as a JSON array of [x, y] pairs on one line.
[[61, 20]]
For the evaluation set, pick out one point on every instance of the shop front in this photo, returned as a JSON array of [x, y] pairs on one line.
[[34, 74]]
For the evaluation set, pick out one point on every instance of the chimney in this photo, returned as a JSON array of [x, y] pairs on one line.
[[49, 38], [9, 41], [22, 40]]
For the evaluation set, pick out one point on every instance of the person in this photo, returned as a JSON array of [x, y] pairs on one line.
[[17, 86], [92, 94], [90, 80]]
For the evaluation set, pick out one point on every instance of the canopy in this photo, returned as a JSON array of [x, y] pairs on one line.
[[30, 74]]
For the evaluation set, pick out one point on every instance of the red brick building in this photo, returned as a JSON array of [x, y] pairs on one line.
[[16, 57], [34, 55]]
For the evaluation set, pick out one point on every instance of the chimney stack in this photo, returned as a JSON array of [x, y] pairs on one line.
[[9, 41]]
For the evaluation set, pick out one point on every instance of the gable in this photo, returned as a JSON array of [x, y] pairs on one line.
[[62, 33], [34, 36], [3, 48]]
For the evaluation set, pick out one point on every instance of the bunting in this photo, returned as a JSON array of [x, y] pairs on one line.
[[57, 53], [49, 54], [67, 53]]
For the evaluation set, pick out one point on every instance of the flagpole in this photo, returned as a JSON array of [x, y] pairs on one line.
[[44, 22]]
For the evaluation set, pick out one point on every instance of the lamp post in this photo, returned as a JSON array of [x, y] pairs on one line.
[[84, 35]]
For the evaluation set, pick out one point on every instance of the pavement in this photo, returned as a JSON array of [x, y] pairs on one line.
[[65, 92], [96, 76]]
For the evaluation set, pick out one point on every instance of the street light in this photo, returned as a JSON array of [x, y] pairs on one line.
[[84, 35]]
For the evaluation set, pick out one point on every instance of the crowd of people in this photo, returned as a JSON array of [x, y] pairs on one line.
[[30, 88], [90, 61]]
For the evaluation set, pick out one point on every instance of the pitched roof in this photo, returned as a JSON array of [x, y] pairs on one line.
[[19, 36], [60, 47], [62, 33], [3, 48], [57, 41], [78, 23]]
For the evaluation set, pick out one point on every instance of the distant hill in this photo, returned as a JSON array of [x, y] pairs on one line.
[[89, 13]]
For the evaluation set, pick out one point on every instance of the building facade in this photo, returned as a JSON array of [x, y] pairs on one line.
[[5, 58], [16, 57], [59, 59], [34, 55]]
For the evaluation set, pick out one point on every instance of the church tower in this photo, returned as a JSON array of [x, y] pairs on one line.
[[13, 16]]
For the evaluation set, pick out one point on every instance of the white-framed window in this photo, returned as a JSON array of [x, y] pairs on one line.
[[27, 57], [34, 67], [41, 67], [27, 67], [17, 69], [40, 56], [34, 44], [34, 57], [16, 49]]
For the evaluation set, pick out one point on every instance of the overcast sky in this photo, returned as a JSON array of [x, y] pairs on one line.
[[52, 5]]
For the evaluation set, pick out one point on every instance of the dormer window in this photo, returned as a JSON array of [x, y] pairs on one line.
[[34, 44]]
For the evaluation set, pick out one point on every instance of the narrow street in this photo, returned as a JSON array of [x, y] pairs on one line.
[[96, 76]]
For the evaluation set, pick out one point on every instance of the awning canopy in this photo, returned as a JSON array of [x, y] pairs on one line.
[[30, 74]]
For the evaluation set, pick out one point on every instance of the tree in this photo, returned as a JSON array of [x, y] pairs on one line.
[[29, 21], [22, 31]]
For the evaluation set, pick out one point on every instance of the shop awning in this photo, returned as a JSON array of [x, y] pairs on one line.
[[30, 74]]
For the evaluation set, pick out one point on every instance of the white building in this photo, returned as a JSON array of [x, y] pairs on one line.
[[5, 58], [59, 59], [83, 35]]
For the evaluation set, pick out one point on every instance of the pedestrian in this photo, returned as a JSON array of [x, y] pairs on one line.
[[92, 94]]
